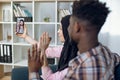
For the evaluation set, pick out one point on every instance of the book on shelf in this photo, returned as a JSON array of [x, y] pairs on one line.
[[18, 11], [62, 13], [6, 15], [9, 53], [5, 53], [1, 53]]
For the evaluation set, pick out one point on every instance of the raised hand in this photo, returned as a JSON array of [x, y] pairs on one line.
[[34, 62], [44, 41]]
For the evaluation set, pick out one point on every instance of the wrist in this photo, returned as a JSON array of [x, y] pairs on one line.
[[45, 64], [32, 70], [42, 51], [25, 37]]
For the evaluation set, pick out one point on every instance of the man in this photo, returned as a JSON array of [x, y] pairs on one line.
[[94, 61]]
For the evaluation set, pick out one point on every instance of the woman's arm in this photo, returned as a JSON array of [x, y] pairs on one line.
[[27, 37], [52, 52], [30, 40]]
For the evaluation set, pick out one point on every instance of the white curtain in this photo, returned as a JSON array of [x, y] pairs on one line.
[[110, 33]]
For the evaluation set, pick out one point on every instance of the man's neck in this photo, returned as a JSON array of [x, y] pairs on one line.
[[86, 44]]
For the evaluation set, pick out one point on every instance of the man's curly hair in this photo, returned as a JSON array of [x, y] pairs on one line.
[[93, 11]]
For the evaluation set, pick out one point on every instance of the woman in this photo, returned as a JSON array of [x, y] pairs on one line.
[[68, 50]]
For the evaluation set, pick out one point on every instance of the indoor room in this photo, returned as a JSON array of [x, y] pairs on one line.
[[23, 22]]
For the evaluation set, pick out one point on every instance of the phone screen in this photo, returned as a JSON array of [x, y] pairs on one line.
[[20, 25]]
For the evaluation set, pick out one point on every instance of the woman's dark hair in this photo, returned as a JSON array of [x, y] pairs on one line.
[[69, 50], [65, 25]]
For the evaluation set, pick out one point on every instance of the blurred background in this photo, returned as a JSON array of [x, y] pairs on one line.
[[110, 33]]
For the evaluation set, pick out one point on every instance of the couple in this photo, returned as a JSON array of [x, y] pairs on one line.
[[93, 61]]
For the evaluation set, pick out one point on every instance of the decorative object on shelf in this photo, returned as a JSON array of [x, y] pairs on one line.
[[47, 19], [9, 37]]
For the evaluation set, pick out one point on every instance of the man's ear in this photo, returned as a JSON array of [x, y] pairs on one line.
[[77, 27]]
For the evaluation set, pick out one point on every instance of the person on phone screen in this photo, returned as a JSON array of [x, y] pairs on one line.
[[21, 26]]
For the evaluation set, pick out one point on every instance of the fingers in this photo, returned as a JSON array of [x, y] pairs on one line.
[[46, 37], [29, 56], [34, 51], [44, 42], [38, 54]]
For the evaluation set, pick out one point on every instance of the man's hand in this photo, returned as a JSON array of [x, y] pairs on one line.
[[34, 62]]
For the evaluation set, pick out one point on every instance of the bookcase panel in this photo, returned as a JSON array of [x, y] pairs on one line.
[[5, 12], [5, 0], [20, 54], [0, 12], [1, 33], [7, 68], [6, 33], [1, 71], [43, 13], [40, 28]]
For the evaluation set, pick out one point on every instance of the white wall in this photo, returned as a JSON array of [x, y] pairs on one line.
[[111, 29]]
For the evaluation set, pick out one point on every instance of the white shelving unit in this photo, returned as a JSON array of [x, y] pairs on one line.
[[40, 9]]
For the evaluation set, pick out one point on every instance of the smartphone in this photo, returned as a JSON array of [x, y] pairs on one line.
[[20, 25]]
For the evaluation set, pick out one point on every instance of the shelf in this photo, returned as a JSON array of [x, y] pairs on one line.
[[5, 0], [9, 64], [21, 63], [5, 22], [44, 23], [22, 44], [5, 42], [22, 0], [25, 23], [45, 0], [66, 0]]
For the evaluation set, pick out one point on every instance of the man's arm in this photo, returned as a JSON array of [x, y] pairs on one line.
[[34, 63]]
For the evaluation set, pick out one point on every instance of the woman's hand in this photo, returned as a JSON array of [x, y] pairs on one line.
[[44, 41], [24, 35]]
